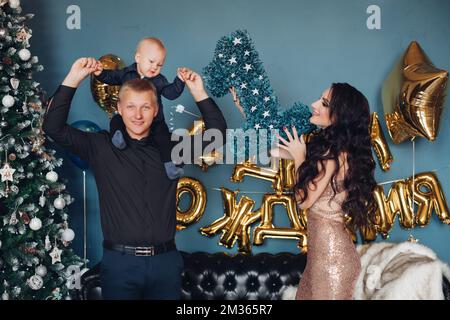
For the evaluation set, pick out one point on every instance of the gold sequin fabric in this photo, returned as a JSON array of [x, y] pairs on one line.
[[333, 264]]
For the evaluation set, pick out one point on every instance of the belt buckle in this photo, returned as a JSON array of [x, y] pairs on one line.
[[144, 251]]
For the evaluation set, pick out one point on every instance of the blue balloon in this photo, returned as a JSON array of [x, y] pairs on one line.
[[86, 126]]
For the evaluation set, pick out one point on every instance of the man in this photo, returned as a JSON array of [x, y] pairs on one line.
[[137, 199]]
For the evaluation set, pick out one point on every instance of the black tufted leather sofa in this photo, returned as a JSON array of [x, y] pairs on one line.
[[220, 276]]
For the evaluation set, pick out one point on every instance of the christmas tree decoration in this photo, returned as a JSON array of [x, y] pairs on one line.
[[7, 172], [24, 54], [55, 254], [24, 216], [41, 270], [13, 220], [35, 282], [8, 101], [68, 235], [14, 4], [51, 176], [59, 203], [14, 83], [35, 224], [42, 200]]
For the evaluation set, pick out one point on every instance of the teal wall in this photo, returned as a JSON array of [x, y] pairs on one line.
[[304, 45]]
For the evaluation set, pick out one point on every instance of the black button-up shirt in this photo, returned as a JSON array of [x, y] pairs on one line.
[[137, 199]]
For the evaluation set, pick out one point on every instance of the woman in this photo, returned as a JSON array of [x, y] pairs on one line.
[[335, 181]]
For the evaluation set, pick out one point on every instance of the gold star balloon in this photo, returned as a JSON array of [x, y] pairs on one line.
[[104, 94], [414, 96]]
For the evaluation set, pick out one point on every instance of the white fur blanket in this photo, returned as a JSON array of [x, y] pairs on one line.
[[389, 271]]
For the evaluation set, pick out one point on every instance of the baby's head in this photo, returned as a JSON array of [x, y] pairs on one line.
[[150, 56]]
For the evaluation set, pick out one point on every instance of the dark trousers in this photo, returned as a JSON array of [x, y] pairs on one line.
[[129, 277]]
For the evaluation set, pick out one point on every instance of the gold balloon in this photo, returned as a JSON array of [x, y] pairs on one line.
[[198, 127], [106, 95], [196, 209], [379, 143], [397, 202], [251, 169], [428, 200], [267, 230], [287, 173], [238, 217], [235, 224], [414, 96]]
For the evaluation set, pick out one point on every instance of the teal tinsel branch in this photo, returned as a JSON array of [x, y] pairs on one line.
[[236, 64]]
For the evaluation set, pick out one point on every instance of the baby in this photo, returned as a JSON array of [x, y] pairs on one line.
[[150, 56]]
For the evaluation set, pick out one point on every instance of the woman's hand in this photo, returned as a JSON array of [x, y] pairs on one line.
[[236, 101], [293, 148]]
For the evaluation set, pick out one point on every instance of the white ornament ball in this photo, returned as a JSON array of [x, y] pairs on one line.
[[41, 270], [35, 224], [68, 235], [8, 101], [24, 54], [51, 176], [5, 296], [35, 282], [14, 4], [59, 203]]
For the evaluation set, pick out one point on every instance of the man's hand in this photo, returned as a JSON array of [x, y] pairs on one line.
[[194, 83], [81, 68], [98, 69]]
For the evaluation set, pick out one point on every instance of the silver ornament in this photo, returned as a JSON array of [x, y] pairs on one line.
[[3, 33], [68, 235], [24, 54], [14, 4], [8, 101], [51, 176], [35, 224], [59, 203], [5, 296], [41, 270], [35, 282]]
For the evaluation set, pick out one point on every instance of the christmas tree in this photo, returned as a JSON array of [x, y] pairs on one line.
[[35, 260]]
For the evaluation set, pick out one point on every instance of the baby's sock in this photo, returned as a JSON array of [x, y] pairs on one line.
[[118, 141], [172, 171]]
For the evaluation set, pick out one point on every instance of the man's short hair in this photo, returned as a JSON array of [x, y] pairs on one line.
[[139, 85]]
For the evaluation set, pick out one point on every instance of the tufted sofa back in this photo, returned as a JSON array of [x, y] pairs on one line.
[[221, 276]]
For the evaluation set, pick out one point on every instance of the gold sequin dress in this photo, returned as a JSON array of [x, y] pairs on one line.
[[333, 264]]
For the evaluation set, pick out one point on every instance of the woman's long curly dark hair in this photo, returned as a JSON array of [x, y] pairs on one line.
[[349, 133]]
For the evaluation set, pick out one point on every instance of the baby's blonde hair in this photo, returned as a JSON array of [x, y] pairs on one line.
[[152, 40]]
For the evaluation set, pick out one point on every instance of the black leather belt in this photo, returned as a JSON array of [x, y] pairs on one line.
[[141, 251]]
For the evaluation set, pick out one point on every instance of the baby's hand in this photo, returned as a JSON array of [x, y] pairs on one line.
[[180, 74], [98, 68]]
